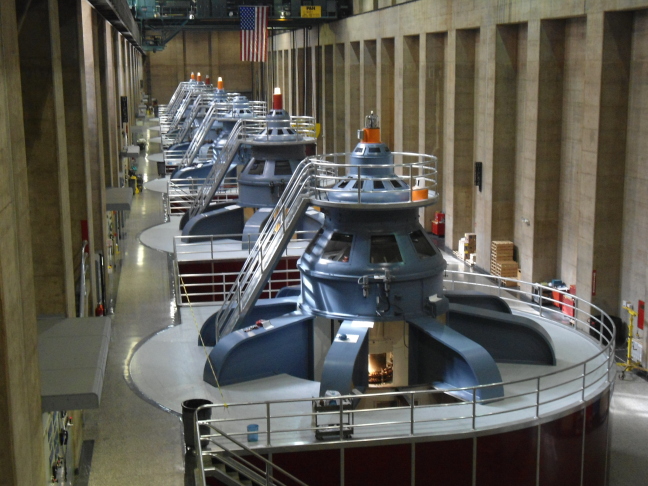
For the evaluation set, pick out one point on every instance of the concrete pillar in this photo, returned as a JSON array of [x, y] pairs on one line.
[[504, 132], [571, 146], [369, 78], [528, 174], [408, 110], [328, 100], [290, 81], [355, 119], [94, 130], [300, 109], [317, 86], [459, 153], [541, 202], [339, 99], [609, 38], [114, 138], [385, 105], [21, 448], [432, 116], [634, 280], [82, 214], [44, 115]]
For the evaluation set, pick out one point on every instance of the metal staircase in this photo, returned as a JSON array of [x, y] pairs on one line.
[[181, 111], [217, 172], [177, 93], [200, 135], [235, 464], [202, 102], [267, 250], [174, 103]]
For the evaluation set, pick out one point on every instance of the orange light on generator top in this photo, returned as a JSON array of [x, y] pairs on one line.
[[371, 135], [277, 99]]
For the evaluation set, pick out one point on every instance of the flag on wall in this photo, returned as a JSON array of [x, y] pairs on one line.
[[254, 33]]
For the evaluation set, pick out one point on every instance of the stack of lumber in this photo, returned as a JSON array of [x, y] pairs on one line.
[[502, 263]]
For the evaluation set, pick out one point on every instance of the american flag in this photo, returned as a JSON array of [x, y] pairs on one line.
[[254, 33]]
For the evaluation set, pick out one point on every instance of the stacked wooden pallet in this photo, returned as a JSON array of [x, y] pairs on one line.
[[502, 263]]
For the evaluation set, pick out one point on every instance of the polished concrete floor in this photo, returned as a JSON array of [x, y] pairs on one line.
[[139, 443]]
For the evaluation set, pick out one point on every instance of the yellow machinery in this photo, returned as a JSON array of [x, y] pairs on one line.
[[629, 365]]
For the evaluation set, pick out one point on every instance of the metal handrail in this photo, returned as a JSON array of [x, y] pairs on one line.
[[181, 192], [201, 104], [331, 168], [199, 138], [211, 249], [278, 227], [246, 465], [579, 381], [217, 172]]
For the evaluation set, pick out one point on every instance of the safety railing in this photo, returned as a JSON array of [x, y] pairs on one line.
[[259, 108], [211, 288], [418, 171], [176, 112], [200, 108], [304, 125], [206, 288], [252, 128], [420, 412], [274, 237], [179, 91], [221, 165], [181, 193], [212, 246], [424, 412], [200, 137], [230, 456]]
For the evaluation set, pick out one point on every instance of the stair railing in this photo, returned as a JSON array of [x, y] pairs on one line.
[[267, 250], [199, 137], [217, 172], [240, 464], [199, 105]]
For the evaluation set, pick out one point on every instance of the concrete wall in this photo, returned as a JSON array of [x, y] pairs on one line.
[[549, 96], [214, 53], [59, 146]]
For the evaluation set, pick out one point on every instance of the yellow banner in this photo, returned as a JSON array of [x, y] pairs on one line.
[[311, 11]]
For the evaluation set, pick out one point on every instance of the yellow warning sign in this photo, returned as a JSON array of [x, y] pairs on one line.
[[311, 11]]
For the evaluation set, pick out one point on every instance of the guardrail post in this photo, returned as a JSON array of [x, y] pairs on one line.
[[584, 377], [474, 408], [268, 441], [537, 414], [411, 413], [359, 184], [341, 420], [411, 184]]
